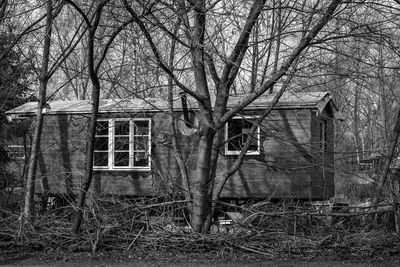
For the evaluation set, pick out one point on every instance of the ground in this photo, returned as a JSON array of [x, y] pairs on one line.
[[17, 257]]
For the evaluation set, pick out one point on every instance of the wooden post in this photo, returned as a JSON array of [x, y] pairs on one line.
[[395, 196]]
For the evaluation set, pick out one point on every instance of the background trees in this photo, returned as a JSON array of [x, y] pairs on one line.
[[15, 89]]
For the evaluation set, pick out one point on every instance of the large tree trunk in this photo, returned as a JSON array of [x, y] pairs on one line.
[[35, 151], [201, 183]]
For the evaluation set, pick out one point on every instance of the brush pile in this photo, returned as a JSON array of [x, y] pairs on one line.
[[286, 229]]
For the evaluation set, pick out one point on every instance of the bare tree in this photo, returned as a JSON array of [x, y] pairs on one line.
[[212, 118]]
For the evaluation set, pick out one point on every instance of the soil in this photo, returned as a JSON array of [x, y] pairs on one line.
[[30, 257]]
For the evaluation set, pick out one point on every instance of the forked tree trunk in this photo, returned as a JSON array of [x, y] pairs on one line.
[[35, 151], [93, 70], [93, 120]]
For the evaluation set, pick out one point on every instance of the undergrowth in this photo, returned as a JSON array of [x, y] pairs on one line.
[[286, 229]]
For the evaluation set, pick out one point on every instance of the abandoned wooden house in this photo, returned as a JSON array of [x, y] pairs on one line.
[[291, 155]]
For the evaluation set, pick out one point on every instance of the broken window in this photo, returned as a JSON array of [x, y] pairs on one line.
[[237, 132], [122, 144]]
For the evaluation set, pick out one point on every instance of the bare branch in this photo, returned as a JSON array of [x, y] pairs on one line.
[[110, 41], [285, 66], [156, 52], [80, 11]]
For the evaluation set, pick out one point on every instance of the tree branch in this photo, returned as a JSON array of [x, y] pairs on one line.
[[156, 52], [110, 41], [285, 66]]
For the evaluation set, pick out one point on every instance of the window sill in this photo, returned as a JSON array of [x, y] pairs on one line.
[[122, 170], [237, 153]]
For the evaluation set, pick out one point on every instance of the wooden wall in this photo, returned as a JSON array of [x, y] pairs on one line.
[[286, 167]]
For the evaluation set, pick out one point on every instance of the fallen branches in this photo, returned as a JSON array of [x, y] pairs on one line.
[[375, 209]]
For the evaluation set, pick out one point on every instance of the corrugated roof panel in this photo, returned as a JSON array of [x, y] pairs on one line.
[[287, 100]]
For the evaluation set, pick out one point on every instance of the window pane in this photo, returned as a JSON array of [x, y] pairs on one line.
[[253, 139], [121, 127], [235, 134], [101, 143], [100, 159], [121, 143], [141, 143], [121, 158], [102, 128], [234, 128], [141, 127], [141, 159], [247, 123], [234, 144]]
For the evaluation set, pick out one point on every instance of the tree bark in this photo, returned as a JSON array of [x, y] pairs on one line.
[[201, 183]]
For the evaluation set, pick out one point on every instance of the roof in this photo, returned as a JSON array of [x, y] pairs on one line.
[[288, 100]]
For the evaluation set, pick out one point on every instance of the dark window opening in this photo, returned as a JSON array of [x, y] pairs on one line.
[[238, 132]]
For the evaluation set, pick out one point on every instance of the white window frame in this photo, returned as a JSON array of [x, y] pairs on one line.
[[257, 136], [111, 145]]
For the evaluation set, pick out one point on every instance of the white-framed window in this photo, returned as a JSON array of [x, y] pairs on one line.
[[123, 144], [236, 134]]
